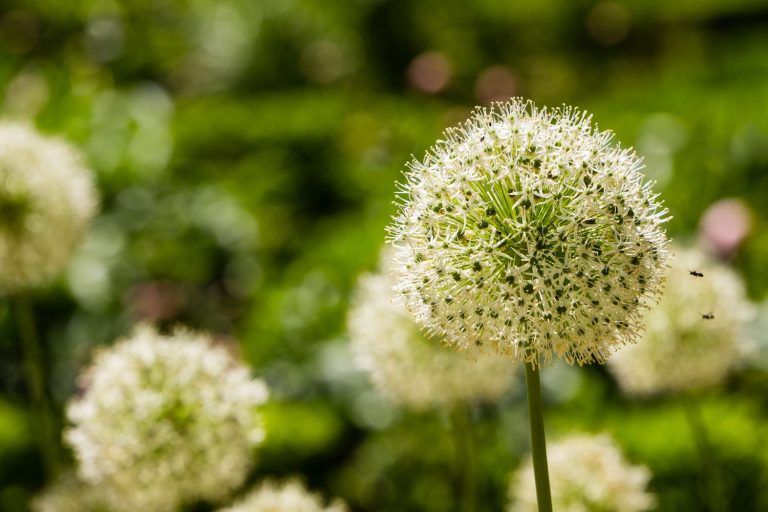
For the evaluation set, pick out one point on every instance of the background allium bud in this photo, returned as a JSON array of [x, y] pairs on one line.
[[680, 349], [46, 201], [166, 420], [290, 496], [587, 473], [528, 231], [407, 366]]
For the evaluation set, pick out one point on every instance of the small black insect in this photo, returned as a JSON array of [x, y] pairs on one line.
[[695, 273], [708, 316]]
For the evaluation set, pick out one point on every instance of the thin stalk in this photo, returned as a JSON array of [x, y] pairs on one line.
[[712, 480], [42, 416], [465, 458], [538, 441]]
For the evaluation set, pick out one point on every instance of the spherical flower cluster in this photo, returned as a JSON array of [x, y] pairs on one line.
[[587, 473], [69, 494], [528, 231], [165, 420], [682, 348], [407, 366], [46, 200], [290, 496]]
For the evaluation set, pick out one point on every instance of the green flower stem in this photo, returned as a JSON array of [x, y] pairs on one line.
[[711, 474], [538, 442], [465, 457], [42, 416]]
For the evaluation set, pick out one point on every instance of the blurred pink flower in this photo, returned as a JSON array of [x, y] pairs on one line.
[[496, 83], [155, 301], [430, 72], [724, 225]]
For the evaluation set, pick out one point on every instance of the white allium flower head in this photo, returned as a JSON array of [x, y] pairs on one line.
[[529, 232], [46, 200], [69, 494], [290, 496], [587, 473], [166, 420], [680, 349], [405, 364]]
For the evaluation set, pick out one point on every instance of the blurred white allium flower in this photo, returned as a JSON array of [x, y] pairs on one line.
[[46, 200], [290, 496], [681, 350], [166, 420], [588, 473], [407, 366], [529, 232], [69, 494]]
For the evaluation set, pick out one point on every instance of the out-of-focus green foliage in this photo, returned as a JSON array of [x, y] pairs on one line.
[[247, 152], [13, 427]]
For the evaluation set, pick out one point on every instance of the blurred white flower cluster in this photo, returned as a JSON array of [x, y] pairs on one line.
[[290, 496], [681, 349], [165, 420], [588, 473], [69, 494], [531, 233], [408, 367], [46, 200]]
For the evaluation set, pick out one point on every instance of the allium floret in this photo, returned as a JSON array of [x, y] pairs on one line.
[[695, 337], [409, 367], [529, 232], [165, 420], [289, 496], [46, 200], [587, 473]]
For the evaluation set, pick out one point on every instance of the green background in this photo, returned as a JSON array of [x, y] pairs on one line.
[[246, 154]]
